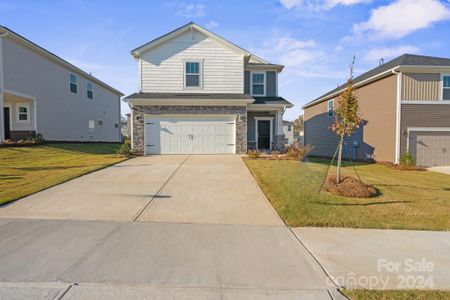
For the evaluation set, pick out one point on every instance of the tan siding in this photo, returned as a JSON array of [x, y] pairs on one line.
[[378, 108], [421, 86], [422, 115]]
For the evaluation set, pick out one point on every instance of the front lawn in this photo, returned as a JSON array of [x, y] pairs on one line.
[[397, 295], [26, 170], [409, 199]]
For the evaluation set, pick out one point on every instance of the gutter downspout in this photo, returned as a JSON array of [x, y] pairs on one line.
[[2, 88], [398, 114]]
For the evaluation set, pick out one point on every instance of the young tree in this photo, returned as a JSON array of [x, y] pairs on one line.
[[347, 117], [298, 125]]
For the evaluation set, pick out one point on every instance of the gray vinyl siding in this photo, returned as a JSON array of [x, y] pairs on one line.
[[271, 81], [422, 115], [247, 82], [251, 123], [421, 86], [61, 115]]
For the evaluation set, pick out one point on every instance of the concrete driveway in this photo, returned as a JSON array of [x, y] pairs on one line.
[[161, 227]]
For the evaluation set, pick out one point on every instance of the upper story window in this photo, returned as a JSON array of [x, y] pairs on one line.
[[330, 107], [73, 83], [258, 84], [289, 127], [23, 112], [446, 87], [192, 73], [89, 90]]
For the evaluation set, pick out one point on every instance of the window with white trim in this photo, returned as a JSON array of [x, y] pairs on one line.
[[192, 74], [258, 81], [89, 90], [446, 87], [330, 107], [73, 79], [23, 112]]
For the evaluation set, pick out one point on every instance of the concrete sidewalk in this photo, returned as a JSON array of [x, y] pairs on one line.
[[210, 259], [381, 259]]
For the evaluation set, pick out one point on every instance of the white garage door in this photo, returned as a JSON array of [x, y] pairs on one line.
[[190, 135], [430, 148]]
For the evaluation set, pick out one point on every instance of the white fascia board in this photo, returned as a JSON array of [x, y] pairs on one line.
[[140, 50], [206, 102], [426, 102]]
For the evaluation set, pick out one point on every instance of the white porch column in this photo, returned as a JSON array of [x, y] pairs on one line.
[[279, 122]]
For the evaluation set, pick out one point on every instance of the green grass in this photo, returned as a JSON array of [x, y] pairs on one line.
[[26, 170], [409, 199], [397, 295]]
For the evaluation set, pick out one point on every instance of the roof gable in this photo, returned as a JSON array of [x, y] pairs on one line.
[[192, 26]]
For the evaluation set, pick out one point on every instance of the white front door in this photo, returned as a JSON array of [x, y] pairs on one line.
[[190, 134]]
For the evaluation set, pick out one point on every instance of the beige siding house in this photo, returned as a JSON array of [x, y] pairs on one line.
[[201, 94], [405, 105], [42, 93]]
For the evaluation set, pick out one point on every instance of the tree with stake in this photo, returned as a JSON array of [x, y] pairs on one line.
[[347, 117]]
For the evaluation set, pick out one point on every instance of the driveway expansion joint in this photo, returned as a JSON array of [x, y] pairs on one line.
[[140, 212]]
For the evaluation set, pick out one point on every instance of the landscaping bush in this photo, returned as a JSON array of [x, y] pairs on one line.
[[125, 149], [276, 155], [296, 151], [253, 154], [406, 159], [38, 138]]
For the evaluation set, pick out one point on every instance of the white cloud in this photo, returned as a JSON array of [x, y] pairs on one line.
[[375, 54], [191, 10], [319, 5], [212, 24], [302, 58], [402, 17]]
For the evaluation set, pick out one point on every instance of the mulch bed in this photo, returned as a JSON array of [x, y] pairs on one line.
[[349, 187], [402, 167]]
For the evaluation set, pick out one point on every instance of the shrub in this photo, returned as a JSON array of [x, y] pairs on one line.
[[296, 151], [124, 149], [253, 154], [406, 159], [38, 138]]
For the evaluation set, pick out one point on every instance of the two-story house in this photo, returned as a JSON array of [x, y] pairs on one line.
[[405, 105], [42, 93], [201, 94]]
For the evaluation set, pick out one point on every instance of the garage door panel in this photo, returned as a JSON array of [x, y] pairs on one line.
[[430, 148], [190, 135]]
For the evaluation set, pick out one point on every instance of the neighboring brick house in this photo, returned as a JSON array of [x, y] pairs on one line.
[[201, 94], [405, 104]]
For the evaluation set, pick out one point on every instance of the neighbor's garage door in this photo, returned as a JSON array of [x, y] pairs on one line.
[[190, 135], [430, 148]]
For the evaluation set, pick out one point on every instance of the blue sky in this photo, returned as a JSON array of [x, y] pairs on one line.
[[314, 39]]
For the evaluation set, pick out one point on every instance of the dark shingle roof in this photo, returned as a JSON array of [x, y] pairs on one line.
[[272, 100], [404, 60], [212, 96]]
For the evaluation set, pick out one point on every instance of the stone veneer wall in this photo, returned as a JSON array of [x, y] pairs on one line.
[[279, 143], [140, 110]]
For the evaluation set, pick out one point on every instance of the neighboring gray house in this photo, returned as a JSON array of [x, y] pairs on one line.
[[405, 105], [42, 93], [201, 94]]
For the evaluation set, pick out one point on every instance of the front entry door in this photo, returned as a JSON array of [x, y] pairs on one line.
[[263, 134], [6, 123]]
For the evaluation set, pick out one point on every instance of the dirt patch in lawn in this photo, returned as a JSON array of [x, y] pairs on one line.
[[349, 187]]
